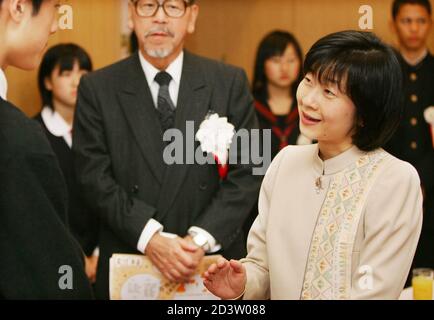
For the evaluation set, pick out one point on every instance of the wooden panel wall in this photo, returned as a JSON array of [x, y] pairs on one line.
[[228, 30], [96, 28]]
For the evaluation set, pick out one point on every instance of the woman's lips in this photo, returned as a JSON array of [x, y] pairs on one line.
[[308, 120]]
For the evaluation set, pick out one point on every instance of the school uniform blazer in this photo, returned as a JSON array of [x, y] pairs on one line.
[[34, 239]]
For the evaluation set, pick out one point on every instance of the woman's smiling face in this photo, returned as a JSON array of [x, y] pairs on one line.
[[326, 114]]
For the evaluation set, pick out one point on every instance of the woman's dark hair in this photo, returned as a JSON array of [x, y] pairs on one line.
[[368, 71], [274, 44], [397, 4], [64, 56]]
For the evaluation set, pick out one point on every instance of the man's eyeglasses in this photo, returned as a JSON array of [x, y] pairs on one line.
[[172, 8]]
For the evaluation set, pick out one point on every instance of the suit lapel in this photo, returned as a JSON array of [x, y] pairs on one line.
[[193, 104], [136, 101]]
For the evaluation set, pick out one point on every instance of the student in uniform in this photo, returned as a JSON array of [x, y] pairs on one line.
[[277, 75], [59, 76], [413, 141], [38, 253]]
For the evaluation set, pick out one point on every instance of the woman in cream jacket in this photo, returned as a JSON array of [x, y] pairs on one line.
[[339, 219]]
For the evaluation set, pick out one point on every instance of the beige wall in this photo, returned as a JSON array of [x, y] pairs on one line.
[[228, 30]]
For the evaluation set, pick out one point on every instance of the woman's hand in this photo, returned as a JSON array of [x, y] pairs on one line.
[[226, 279]]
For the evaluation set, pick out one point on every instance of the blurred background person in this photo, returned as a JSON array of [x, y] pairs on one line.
[[277, 75], [59, 76], [413, 141]]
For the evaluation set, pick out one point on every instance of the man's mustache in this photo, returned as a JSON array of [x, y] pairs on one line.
[[159, 30]]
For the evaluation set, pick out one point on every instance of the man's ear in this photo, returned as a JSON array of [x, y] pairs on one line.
[[193, 18], [130, 16], [18, 9], [48, 84]]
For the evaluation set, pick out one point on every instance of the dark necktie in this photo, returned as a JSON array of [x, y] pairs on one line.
[[165, 106]]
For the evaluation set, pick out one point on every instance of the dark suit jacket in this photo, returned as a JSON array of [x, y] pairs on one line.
[[34, 239], [83, 223], [118, 151], [412, 141]]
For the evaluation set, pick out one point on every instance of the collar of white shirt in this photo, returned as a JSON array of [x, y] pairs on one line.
[[56, 125], [175, 71], [3, 85]]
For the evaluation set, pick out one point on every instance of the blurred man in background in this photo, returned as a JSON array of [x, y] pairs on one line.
[[413, 141]]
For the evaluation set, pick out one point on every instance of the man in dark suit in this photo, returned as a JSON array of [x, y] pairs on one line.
[[122, 112], [413, 140], [39, 259]]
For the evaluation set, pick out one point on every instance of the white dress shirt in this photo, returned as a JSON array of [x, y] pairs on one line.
[[56, 125], [3, 85], [175, 71]]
